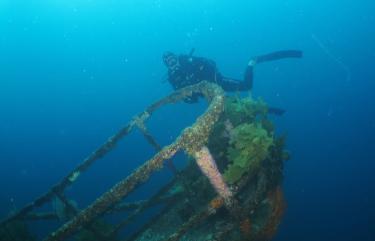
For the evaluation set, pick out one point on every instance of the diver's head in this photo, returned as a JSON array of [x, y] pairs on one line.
[[170, 60]]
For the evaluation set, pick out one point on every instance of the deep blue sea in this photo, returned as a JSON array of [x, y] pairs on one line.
[[73, 72]]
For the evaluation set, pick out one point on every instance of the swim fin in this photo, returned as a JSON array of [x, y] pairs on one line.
[[283, 54]]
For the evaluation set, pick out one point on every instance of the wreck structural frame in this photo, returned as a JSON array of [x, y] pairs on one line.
[[191, 140]]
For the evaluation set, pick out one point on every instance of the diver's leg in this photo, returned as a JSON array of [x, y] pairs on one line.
[[230, 84], [248, 77]]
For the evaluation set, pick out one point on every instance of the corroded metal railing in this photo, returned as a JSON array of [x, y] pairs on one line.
[[192, 140]]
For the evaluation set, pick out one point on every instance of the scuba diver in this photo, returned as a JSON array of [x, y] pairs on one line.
[[184, 70]]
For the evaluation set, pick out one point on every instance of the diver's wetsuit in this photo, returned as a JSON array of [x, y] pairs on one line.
[[192, 70]]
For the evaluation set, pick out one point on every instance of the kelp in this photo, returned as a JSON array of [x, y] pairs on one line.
[[241, 110], [249, 146]]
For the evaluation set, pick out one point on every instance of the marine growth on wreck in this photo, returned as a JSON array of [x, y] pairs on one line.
[[230, 188], [250, 156]]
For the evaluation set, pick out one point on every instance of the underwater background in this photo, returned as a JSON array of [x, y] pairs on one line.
[[73, 72]]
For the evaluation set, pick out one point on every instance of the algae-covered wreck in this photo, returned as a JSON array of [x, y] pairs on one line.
[[229, 190]]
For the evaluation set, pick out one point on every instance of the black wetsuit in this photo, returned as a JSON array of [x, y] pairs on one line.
[[192, 70]]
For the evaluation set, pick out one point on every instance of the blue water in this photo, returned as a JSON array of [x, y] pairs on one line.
[[73, 72]]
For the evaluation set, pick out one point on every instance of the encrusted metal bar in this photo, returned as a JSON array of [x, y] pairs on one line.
[[151, 221], [72, 176], [194, 220], [41, 216], [156, 199], [118, 208], [150, 139], [190, 140], [214, 205], [141, 126], [114, 195], [74, 210]]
